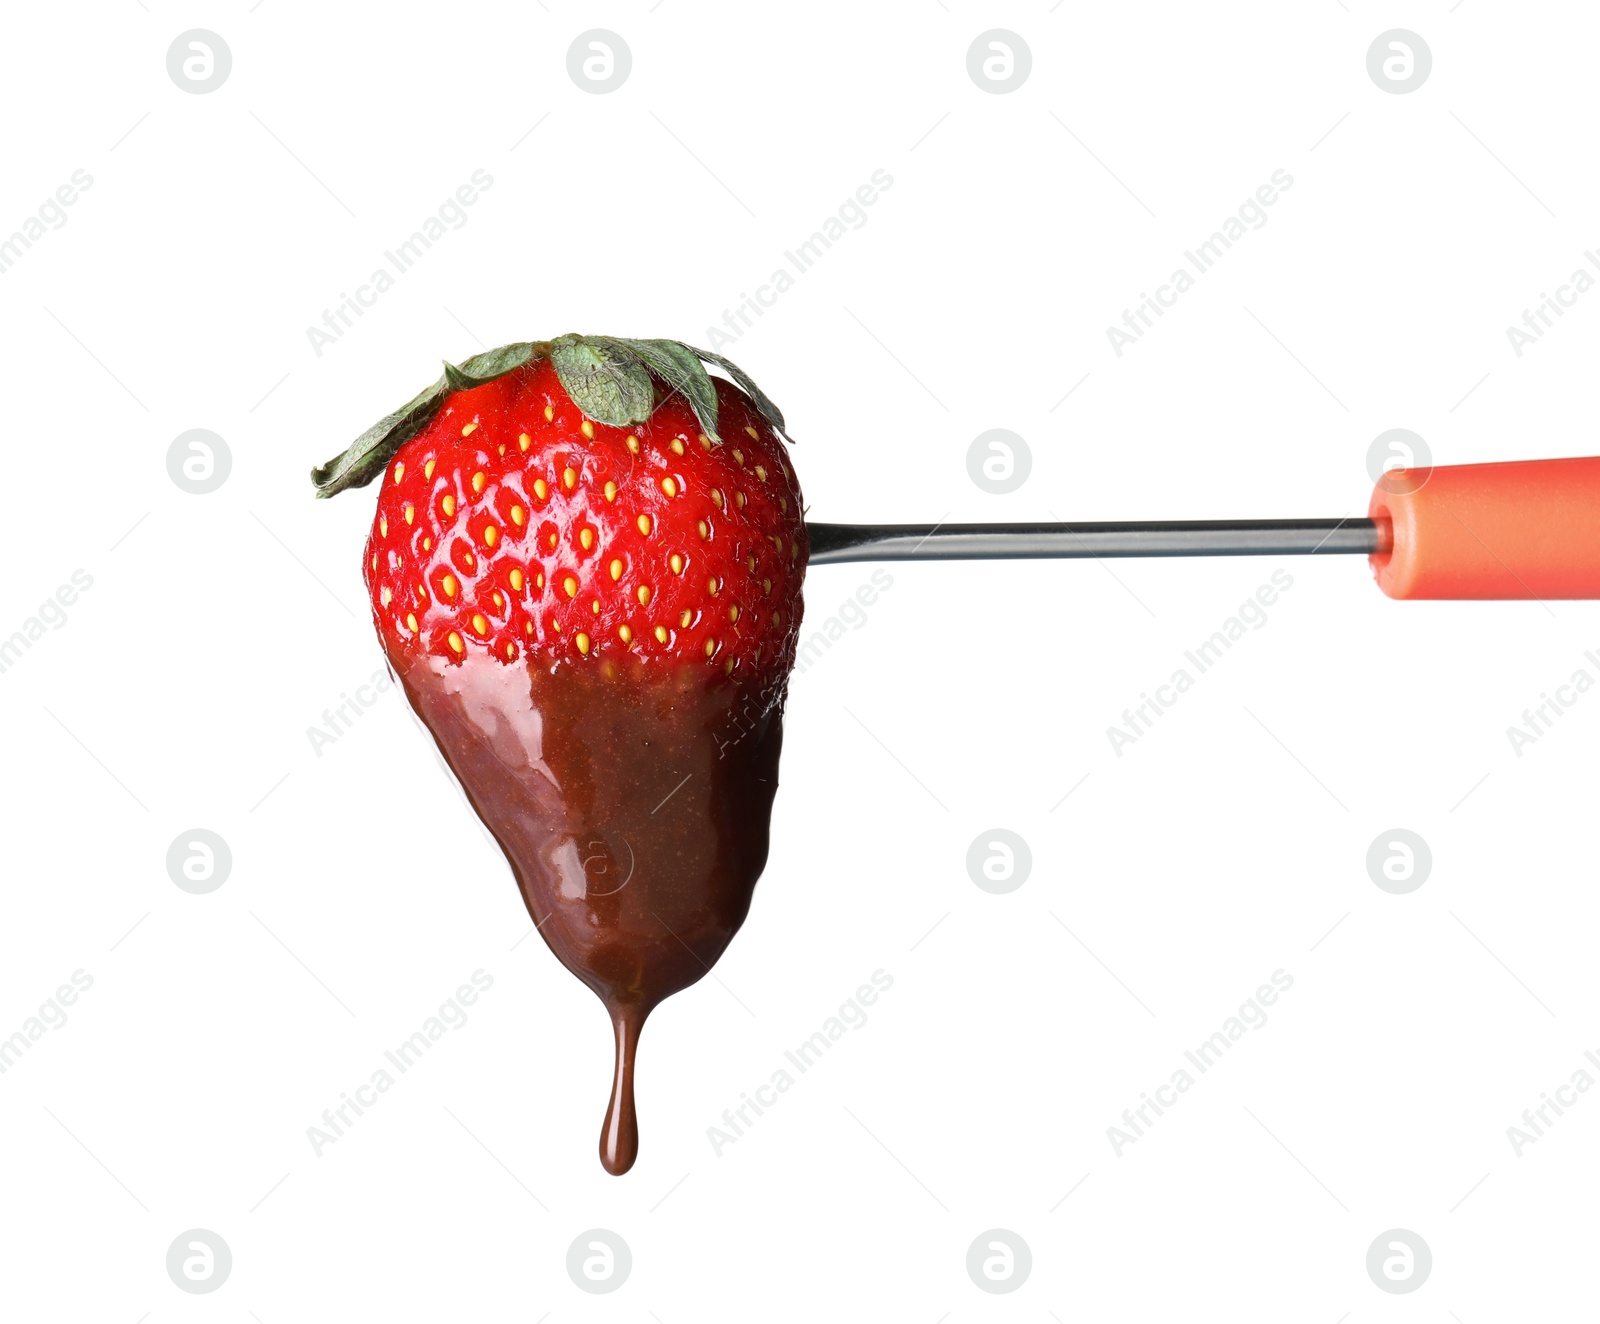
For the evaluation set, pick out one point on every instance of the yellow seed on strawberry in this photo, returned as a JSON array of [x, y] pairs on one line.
[[669, 486], [411, 621], [661, 634], [644, 524], [616, 569], [455, 642], [549, 413], [611, 491], [518, 515], [582, 640], [399, 472], [469, 429], [523, 442], [478, 481], [516, 579], [586, 538], [676, 563], [587, 428], [479, 623], [571, 586], [541, 489], [427, 469], [448, 584], [625, 634], [491, 535], [644, 595], [569, 476], [448, 505]]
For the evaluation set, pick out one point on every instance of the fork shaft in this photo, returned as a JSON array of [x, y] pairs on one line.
[[833, 543]]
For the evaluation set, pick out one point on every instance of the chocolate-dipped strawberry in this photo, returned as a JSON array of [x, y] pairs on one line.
[[585, 569]]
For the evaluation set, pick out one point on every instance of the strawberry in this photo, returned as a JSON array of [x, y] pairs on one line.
[[585, 568], [514, 524]]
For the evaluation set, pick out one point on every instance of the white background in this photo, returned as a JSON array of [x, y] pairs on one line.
[[1228, 843]]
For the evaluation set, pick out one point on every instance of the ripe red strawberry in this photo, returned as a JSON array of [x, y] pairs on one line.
[[586, 568], [512, 524]]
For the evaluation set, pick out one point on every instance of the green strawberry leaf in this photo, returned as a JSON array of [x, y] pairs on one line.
[[679, 367], [492, 363], [606, 380], [369, 455], [769, 411]]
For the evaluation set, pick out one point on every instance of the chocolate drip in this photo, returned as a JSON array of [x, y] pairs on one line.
[[633, 805]]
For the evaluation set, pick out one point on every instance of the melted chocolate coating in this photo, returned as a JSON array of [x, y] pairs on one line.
[[634, 806]]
